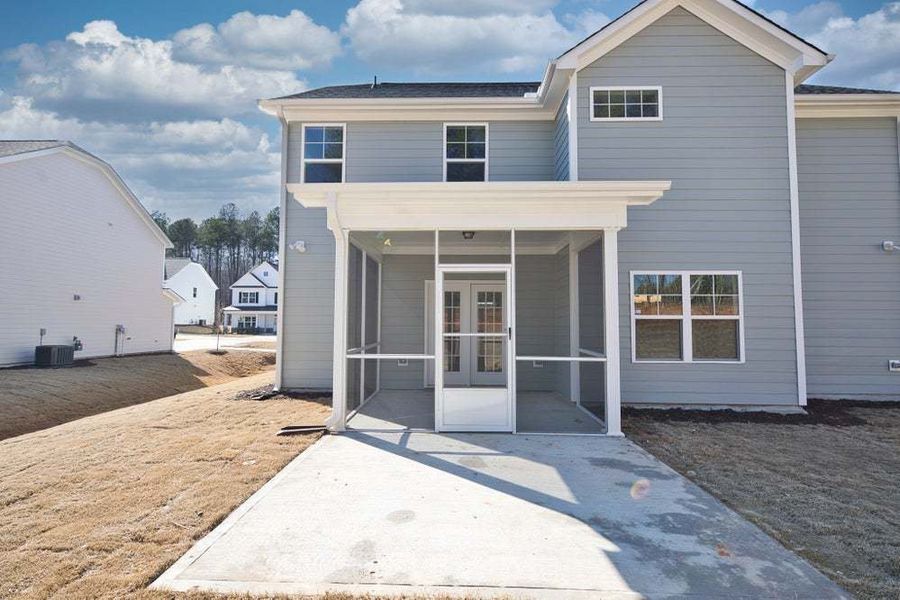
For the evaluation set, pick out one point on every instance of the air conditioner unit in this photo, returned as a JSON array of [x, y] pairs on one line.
[[56, 355]]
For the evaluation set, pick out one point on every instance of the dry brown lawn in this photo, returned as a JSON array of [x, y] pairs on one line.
[[97, 508], [824, 485], [33, 399]]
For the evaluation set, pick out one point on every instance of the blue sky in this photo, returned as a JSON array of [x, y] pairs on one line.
[[165, 90]]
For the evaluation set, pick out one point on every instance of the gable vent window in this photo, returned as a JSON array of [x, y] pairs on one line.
[[626, 104], [323, 153], [465, 152]]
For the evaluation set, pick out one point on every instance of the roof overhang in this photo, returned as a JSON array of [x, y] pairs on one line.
[[173, 296], [747, 27], [847, 105], [536, 205], [534, 107]]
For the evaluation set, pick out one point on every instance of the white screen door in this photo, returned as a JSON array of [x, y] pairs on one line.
[[472, 392]]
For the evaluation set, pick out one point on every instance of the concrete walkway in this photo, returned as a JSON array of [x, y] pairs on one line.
[[188, 342], [490, 515]]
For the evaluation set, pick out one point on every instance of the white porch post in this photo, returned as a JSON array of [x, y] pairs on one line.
[[611, 331], [338, 418]]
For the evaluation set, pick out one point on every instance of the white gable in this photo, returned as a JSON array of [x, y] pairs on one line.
[[266, 273], [248, 281], [735, 20]]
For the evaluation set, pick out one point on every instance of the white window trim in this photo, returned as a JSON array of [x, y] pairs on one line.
[[687, 345], [248, 301], [342, 160], [623, 88], [487, 148]]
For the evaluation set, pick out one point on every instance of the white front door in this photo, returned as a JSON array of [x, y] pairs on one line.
[[471, 308]]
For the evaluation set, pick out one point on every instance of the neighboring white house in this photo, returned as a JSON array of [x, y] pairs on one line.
[[254, 301], [84, 258], [191, 281]]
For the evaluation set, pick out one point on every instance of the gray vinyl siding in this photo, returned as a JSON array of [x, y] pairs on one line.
[[561, 142], [308, 300], [849, 202], [394, 151], [386, 151], [723, 144], [521, 151]]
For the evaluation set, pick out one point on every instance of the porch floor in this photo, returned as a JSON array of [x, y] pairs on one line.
[[537, 412]]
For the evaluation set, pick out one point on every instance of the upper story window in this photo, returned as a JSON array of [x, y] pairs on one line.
[[465, 152], [195, 292], [323, 153], [687, 317], [626, 104], [248, 297]]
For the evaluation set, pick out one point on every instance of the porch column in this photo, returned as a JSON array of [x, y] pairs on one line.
[[611, 331], [338, 418]]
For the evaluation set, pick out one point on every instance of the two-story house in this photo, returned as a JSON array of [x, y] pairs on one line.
[[254, 301], [82, 256], [190, 280], [670, 216]]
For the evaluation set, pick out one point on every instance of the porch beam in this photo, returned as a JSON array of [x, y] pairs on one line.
[[611, 332]]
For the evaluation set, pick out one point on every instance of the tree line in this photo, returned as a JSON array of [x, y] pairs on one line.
[[227, 244]]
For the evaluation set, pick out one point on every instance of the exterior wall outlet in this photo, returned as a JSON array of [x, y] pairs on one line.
[[402, 362], [894, 365], [536, 364]]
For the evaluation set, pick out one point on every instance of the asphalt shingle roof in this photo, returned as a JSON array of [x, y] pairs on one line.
[[422, 90], [832, 89], [174, 265], [13, 147]]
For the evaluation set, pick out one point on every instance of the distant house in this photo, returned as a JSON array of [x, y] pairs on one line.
[[85, 257], [191, 281], [254, 301]]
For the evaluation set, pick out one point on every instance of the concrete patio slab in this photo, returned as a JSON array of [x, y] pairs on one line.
[[490, 515]]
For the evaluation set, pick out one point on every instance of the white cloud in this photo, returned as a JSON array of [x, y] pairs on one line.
[[100, 73], [185, 168], [260, 41], [427, 36], [867, 48]]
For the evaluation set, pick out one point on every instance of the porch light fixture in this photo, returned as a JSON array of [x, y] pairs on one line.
[[468, 235]]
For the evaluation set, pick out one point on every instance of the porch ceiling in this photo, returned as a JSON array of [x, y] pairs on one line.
[[543, 205]]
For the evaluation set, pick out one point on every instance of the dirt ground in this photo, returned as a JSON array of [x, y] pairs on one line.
[[262, 345], [33, 399], [825, 485], [98, 507]]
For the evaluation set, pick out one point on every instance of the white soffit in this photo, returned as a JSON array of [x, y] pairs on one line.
[[731, 18], [573, 205]]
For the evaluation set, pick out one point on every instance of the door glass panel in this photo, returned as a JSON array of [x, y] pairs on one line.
[[490, 312], [490, 355], [490, 320], [452, 318]]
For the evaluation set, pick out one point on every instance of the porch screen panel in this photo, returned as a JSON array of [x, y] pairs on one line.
[[590, 321], [354, 323], [475, 246], [371, 333]]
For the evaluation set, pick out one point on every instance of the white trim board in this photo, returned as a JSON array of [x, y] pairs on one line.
[[796, 272]]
